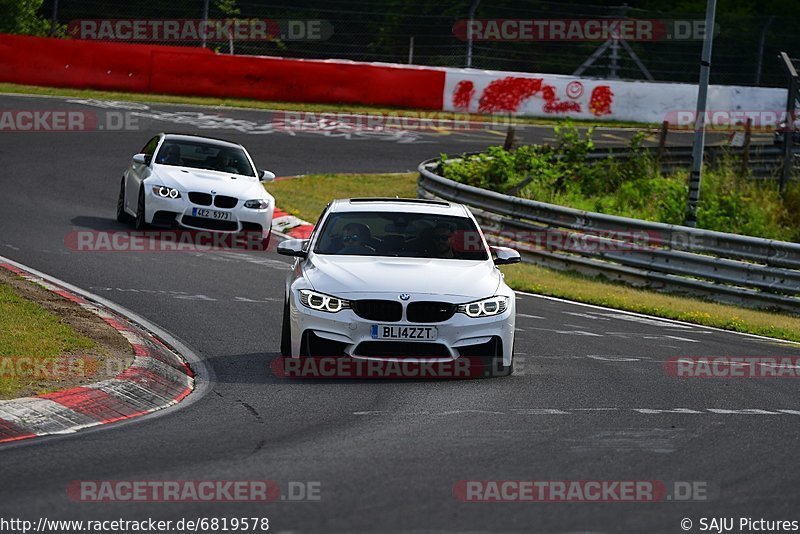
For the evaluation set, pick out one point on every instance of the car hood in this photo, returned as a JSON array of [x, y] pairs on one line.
[[340, 275], [222, 183]]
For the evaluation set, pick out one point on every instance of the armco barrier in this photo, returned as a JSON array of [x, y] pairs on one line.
[[728, 267], [199, 72]]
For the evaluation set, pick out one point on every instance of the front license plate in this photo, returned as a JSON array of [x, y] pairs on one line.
[[410, 333], [211, 214]]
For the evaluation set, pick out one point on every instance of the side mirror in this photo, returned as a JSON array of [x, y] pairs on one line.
[[293, 247], [505, 255], [141, 159], [266, 176]]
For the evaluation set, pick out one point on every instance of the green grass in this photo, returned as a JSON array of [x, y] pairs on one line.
[[305, 197], [27, 330], [534, 279], [11, 88]]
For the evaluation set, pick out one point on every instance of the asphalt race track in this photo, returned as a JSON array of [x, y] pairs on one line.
[[590, 401]]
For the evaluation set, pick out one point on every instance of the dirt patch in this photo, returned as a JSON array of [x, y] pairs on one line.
[[111, 355]]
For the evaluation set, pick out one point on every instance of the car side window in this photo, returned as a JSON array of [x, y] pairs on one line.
[[150, 149]]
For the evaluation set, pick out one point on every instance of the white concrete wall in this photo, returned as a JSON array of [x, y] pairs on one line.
[[550, 95]]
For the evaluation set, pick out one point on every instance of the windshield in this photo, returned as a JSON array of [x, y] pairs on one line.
[[207, 156], [406, 235]]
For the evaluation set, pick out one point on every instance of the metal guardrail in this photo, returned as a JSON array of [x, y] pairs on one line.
[[727, 267]]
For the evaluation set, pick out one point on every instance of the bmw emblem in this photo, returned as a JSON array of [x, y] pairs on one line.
[[404, 296]]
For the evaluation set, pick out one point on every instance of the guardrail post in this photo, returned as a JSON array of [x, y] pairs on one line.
[[748, 131], [662, 143], [511, 139], [788, 132]]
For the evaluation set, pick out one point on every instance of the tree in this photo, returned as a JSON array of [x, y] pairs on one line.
[[21, 16]]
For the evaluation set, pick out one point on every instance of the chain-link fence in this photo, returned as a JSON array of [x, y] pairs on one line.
[[425, 33]]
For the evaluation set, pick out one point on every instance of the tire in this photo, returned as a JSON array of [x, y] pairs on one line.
[[122, 215], [140, 211], [286, 333], [265, 241], [495, 365]]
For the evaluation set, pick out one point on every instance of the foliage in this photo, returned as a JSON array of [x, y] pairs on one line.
[[22, 16], [631, 187]]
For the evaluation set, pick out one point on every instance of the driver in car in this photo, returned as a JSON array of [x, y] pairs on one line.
[[223, 162], [442, 241], [355, 237], [173, 156]]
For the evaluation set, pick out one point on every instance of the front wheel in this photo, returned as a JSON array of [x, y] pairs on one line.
[[141, 223], [495, 367], [265, 241], [122, 215], [286, 333]]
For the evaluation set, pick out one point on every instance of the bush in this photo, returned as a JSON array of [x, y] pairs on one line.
[[562, 174]]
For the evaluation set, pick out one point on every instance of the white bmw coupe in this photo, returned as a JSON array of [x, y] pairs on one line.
[[399, 280], [197, 183]]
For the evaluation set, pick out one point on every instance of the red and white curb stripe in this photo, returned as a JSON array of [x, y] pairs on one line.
[[158, 378], [290, 225]]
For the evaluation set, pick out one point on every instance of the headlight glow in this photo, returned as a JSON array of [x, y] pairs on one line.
[[166, 192], [485, 307], [257, 204], [322, 302]]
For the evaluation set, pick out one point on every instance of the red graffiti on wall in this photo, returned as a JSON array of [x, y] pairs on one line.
[[560, 106], [508, 94], [463, 94], [600, 102]]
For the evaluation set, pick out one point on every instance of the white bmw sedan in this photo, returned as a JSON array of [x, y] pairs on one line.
[[197, 183], [399, 280]]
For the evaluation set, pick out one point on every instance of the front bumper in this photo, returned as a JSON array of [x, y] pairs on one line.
[[346, 333], [178, 211]]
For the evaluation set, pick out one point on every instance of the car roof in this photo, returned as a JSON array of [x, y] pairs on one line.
[[406, 205], [196, 138]]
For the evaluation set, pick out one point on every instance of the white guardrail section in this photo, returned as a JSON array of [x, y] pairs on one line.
[[727, 267]]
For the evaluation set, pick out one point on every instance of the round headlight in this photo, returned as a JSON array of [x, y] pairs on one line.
[[173, 193]]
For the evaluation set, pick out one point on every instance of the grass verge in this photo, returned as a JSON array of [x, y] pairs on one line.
[[11, 88], [305, 197], [29, 331]]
